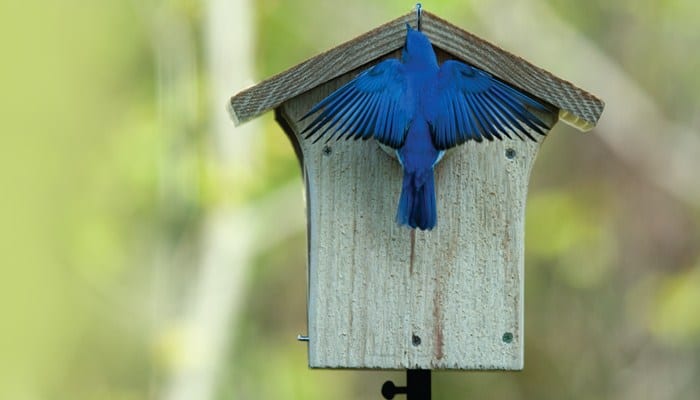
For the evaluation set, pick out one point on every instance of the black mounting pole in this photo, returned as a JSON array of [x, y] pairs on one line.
[[417, 386]]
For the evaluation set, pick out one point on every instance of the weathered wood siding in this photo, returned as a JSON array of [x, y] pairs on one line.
[[383, 296]]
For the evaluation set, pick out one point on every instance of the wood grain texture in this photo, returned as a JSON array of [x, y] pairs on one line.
[[317, 70], [579, 107], [375, 287]]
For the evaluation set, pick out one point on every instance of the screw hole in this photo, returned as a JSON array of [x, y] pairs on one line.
[[415, 340], [510, 154]]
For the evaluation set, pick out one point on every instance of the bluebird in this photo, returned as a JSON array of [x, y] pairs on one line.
[[420, 109]]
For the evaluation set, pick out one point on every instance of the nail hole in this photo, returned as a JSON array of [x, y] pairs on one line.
[[327, 150], [510, 154], [415, 340], [507, 337]]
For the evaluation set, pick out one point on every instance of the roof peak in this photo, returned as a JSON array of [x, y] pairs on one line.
[[577, 107]]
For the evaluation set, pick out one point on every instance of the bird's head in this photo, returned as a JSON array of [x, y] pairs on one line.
[[417, 47]]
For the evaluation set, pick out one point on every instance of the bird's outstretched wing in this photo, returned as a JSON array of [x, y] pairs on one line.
[[374, 104], [470, 104]]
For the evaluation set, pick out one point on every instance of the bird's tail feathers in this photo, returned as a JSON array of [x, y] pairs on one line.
[[417, 207]]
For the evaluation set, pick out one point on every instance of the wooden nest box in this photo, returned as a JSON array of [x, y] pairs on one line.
[[385, 296]]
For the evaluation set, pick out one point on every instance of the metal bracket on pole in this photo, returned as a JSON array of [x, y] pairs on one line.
[[417, 386]]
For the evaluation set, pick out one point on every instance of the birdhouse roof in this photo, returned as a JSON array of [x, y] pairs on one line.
[[576, 106]]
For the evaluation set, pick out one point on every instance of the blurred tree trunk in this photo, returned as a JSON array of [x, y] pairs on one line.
[[230, 235], [218, 289]]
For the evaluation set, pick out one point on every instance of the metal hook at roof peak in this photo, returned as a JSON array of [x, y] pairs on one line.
[[419, 11]]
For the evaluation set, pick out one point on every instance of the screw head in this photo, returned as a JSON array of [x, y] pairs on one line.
[[510, 153], [327, 150], [507, 337]]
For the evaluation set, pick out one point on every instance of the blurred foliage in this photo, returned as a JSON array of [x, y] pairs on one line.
[[104, 195], [650, 39]]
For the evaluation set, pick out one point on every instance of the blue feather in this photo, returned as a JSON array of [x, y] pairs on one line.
[[420, 109]]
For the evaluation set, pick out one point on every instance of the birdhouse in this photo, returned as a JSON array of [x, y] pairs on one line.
[[381, 295]]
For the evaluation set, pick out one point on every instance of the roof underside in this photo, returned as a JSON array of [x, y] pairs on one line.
[[576, 106]]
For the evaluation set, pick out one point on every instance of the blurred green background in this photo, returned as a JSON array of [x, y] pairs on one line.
[[150, 250]]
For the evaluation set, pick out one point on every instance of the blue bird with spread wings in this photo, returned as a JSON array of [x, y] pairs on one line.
[[421, 109]]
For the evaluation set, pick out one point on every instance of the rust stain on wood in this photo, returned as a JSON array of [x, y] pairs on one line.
[[437, 313], [412, 235]]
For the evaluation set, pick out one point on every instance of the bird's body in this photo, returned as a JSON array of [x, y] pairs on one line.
[[418, 155], [421, 109]]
